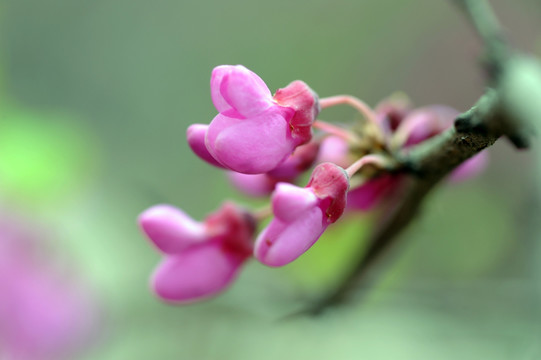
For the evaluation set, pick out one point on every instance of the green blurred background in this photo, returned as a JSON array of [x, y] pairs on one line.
[[95, 100]]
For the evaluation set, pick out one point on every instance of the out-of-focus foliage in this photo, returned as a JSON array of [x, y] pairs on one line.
[[44, 157]]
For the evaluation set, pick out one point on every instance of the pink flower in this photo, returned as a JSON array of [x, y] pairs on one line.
[[301, 215], [288, 171], [200, 259], [254, 132], [42, 315]]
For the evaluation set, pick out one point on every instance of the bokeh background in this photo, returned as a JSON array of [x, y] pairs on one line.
[[95, 100]]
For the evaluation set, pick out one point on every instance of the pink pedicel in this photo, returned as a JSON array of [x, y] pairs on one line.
[[43, 314], [301, 215], [259, 185], [254, 132], [200, 259]]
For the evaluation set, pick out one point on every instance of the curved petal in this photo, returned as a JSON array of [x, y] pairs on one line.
[[335, 150], [301, 160], [196, 140], [170, 229], [220, 123], [252, 184], [470, 168], [251, 146], [281, 243], [423, 123], [290, 201], [391, 111], [366, 196], [236, 87], [216, 78], [197, 273]]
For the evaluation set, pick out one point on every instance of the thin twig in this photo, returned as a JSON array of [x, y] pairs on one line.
[[485, 22]]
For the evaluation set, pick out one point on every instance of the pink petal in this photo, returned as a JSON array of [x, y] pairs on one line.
[[251, 146], [330, 183], [391, 111], [301, 160], [470, 168], [236, 87], [196, 139], [304, 101], [366, 196], [423, 123], [335, 150], [216, 78], [197, 273], [290, 201], [281, 242], [170, 229], [233, 227], [252, 184], [220, 123]]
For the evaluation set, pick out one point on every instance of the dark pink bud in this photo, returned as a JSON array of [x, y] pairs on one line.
[[330, 183], [304, 101]]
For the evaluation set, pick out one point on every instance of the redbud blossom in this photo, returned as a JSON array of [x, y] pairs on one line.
[[301, 215], [200, 259], [254, 132]]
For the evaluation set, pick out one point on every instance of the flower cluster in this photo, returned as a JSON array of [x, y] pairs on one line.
[[265, 143]]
